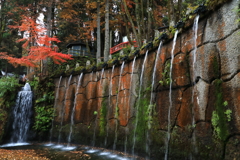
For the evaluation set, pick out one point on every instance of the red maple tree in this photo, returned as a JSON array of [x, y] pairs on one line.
[[37, 45]]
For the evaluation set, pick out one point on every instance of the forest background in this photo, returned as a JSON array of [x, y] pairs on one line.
[[92, 22]]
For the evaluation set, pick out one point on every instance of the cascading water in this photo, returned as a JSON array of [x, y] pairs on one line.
[[63, 111], [109, 100], [95, 127], [170, 96], [22, 115], [138, 103], [195, 29], [56, 98], [150, 107], [129, 102], [73, 110], [116, 107]]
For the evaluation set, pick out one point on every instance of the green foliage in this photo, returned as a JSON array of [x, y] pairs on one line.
[[44, 104], [103, 120], [8, 84], [211, 4], [43, 118], [228, 114], [9, 87], [34, 83], [145, 117], [81, 60], [116, 55], [220, 116], [172, 29], [126, 50], [166, 75], [44, 112]]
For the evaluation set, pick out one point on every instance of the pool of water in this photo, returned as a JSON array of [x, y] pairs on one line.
[[63, 152]]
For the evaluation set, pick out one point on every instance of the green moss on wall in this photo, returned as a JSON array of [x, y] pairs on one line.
[[220, 116], [103, 118]]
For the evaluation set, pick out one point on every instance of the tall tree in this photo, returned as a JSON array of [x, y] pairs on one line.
[[107, 42], [98, 30], [41, 49]]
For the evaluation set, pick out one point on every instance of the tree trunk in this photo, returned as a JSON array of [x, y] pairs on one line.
[[171, 14], [44, 64], [139, 19], [107, 44], [98, 31]]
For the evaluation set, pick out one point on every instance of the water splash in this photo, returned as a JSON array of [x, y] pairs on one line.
[[63, 111], [109, 104], [116, 107], [170, 96], [138, 103], [129, 102], [73, 110], [22, 115], [54, 110]]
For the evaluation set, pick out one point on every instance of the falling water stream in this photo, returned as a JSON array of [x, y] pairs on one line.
[[116, 107], [73, 111], [95, 126], [63, 112], [54, 110], [138, 103], [195, 29], [170, 97], [129, 103], [109, 105], [150, 107]]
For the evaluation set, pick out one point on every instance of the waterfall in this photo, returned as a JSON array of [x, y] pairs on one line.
[[150, 107], [109, 100], [56, 98], [138, 103], [129, 102], [195, 29], [73, 110], [63, 107], [116, 107], [22, 112], [170, 96]]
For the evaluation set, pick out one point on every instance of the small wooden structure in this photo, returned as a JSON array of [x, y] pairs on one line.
[[80, 49]]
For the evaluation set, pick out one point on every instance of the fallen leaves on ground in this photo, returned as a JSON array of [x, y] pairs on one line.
[[28, 154]]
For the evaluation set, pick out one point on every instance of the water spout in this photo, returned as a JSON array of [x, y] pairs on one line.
[[179, 25], [163, 36], [201, 9]]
